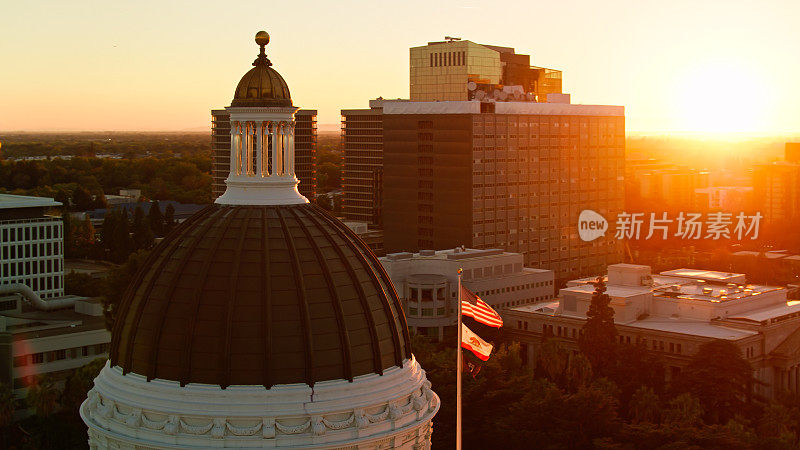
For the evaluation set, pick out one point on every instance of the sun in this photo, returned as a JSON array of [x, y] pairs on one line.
[[720, 98]]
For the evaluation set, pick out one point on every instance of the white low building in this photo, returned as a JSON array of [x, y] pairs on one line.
[[673, 313], [427, 283], [31, 244], [42, 331]]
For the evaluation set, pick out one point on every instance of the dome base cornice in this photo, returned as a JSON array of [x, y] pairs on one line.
[[392, 410]]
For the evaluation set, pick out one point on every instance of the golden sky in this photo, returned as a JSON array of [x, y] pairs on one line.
[[696, 66]]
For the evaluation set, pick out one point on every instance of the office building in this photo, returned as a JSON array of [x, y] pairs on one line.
[[488, 153], [673, 187], [724, 198], [362, 171], [777, 188], [263, 321], [31, 245], [305, 144], [671, 314], [42, 331], [460, 70], [507, 175], [427, 283]]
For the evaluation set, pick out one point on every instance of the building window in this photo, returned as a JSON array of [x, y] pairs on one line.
[[37, 358], [21, 361]]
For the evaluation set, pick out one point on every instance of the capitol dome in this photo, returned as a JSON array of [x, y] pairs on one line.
[[237, 289], [262, 321]]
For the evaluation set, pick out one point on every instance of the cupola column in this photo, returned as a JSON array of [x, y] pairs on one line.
[[290, 149], [246, 148], [275, 152], [259, 149], [232, 163]]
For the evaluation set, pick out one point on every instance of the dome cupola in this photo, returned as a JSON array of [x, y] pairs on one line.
[[262, 85]]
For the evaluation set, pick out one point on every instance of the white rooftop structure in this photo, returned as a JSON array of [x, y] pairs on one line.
[[8, 201]]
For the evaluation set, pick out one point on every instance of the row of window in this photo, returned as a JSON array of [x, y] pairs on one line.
[[574, 333], [59, 355], [426, 312], [521, 287], [31, 250], [16, 233], [29, 268], [440, 59]]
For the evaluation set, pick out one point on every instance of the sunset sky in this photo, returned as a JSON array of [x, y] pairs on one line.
[[694, 66]]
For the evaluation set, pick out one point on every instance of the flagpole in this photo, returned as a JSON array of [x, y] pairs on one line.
[[458, 369]]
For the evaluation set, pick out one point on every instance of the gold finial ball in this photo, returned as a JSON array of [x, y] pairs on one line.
[[262, 38]]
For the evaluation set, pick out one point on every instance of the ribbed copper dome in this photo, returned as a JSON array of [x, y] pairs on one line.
[[262, 86], [260, 295]]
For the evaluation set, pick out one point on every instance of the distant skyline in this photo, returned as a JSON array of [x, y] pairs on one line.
[[680, 66]]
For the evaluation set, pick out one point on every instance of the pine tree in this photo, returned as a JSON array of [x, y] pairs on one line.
[[142, 234], [169, 218], [155, 219], [599, 338], [116, 235]]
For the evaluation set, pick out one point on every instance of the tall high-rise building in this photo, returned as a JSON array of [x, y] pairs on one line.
[[488, 153], [362, 174], [456, 70], [777, 188], [504, 175], [305, 145]]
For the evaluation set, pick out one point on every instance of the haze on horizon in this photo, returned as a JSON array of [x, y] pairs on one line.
[[698, 67]]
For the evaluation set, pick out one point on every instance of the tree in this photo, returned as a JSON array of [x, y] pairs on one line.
[[720, 378], [82, 284], [79, 383], [6, 410], [99, 201], [644, 406], [115, 235], [598, 341], [553, 360], [116, 284], [62, 197], [155, 219], [684, 411], [43, 396], [142, 234], [169, 218], [82, 199]]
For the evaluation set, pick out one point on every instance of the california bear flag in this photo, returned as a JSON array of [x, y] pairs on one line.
[[475, 344]]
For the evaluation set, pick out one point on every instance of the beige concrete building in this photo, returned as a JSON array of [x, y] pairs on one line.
[[427, 283], [672, 314], [53, 343]]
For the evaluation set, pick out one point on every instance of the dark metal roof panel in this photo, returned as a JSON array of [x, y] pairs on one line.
[[260, 295]]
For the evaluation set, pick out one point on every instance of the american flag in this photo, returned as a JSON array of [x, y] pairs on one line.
[[473, 306]]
